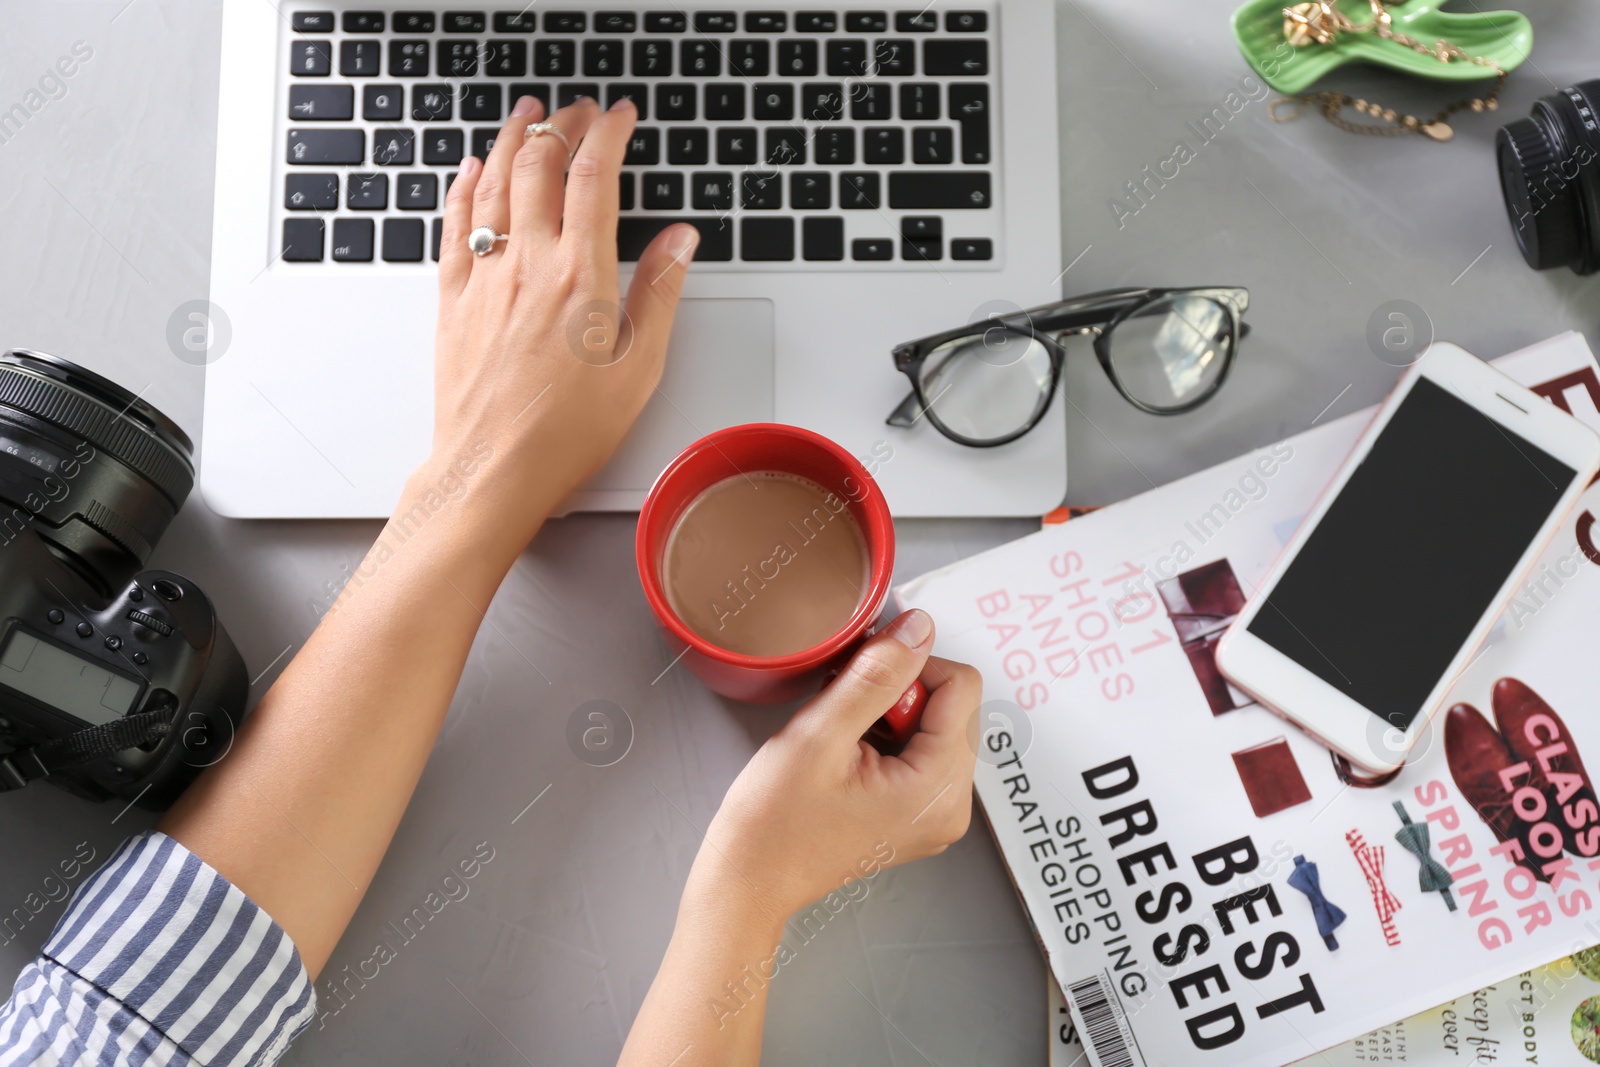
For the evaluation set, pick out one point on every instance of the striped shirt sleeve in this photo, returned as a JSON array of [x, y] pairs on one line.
[[158, 960]]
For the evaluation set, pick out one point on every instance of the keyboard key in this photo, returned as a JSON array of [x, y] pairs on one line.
[[408, 59], [921, 249], [311, 192], [870, 100], [382, 103], [760, 190], [766, 240], [505, 59], [602, 59], [513, 22], [921, 227], [312, 21], [711, 191], [465, 22], [311, 59], [644, 147], [915, 22], [816, 22], [894, 57], [688, 145], [352, 240], [565, 21], [702, 59], [846, 58], [725, 101], [773, 102], [391, 148], [569, 93], [635, 233], [859, 190], [822, 239], [458, 59], [413, 22], [736, 144], [809, 190], [967, 58], [665, 22], [786, 145], [360, 59], [402, 240], [969, 106], [483, 140], [872, 248], [966, 22], [307, 147], [652, 59], [933, 144], [753, 59], [480, 102], [675, 102], [363, 22], [438, 237], [765, 22], [625, 185], [836, 144], [554, 59], [540, 91], [797, 59], [416, 192], [663, 191], [442, 148], [367, 192], [431, 103], [321, 103], [971, 248], [939, 189], [639, 94], [302, 240], [821, 100], [919, 100], [614, 22], [715, 22], [883, 144], [866, 21]]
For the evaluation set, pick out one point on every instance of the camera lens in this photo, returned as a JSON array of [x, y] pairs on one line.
[[87, 466], [1550, 178]]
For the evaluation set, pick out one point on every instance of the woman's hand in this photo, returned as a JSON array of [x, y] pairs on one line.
[[540, 373]]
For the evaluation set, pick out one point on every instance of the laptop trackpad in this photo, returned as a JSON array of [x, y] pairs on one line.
[[719, 373]]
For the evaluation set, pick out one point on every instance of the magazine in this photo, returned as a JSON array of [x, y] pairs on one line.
[[1209, 885]]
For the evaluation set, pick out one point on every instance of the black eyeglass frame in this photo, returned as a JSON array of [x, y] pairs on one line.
[[1098, 314]]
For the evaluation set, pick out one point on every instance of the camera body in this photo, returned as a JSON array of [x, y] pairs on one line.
[[115, 681]]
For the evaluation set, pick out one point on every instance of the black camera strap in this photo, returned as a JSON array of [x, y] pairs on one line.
[[30, 764]]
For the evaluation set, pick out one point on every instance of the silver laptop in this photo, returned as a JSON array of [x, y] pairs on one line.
[[861, 176]]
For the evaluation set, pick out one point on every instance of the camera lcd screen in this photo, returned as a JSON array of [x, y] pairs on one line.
[[59, 679], [1411, 553]]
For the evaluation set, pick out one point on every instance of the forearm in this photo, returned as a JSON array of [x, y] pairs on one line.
[[299, 812]]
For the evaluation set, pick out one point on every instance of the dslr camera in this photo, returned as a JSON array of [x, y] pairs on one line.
[[115, 681]]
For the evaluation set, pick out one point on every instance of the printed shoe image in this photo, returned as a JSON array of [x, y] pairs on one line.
[[1574, 807], [1476, 754]]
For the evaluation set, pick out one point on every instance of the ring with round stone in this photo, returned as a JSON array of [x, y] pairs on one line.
[[535, 128], [483, 239]]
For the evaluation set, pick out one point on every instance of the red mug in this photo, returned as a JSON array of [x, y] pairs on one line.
[[790, 450]]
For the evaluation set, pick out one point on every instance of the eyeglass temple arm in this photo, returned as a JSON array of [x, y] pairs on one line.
[[906, 413]]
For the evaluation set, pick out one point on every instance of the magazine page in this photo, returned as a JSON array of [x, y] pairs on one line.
[[1208, 884]]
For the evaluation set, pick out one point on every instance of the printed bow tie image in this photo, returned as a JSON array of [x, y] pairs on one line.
[[1432, 876], [1478, 753], [1328, 914]]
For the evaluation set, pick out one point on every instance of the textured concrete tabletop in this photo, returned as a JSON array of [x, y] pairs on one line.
[[105, 213]]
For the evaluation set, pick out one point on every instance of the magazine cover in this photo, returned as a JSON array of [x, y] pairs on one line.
[[1209, 885]]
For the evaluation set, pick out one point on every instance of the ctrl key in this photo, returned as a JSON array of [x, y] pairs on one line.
[[302, 240], [352, 240]]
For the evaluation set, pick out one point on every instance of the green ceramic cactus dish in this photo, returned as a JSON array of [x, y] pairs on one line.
[[1502, 36]]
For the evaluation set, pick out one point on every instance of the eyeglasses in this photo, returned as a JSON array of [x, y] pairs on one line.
[[1167, 351]]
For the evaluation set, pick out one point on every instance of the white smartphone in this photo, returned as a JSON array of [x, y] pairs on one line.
[[1398, 573]]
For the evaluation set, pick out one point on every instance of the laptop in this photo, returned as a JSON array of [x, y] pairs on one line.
[[861, 176]]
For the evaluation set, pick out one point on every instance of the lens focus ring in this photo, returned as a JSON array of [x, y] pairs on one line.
[[104, 429]]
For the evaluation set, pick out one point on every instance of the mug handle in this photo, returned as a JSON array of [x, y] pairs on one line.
[[901, 721]]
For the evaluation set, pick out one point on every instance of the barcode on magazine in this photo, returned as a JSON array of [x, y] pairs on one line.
[[1101, 1023]]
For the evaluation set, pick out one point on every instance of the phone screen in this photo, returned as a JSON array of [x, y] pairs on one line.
[[1411, 552]]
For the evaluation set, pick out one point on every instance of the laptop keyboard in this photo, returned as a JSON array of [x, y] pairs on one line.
[[792, 139]]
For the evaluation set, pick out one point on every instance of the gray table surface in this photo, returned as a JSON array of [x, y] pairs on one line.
[[105, 197]]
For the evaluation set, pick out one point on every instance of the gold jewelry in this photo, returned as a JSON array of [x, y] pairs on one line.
[[1319, 22]]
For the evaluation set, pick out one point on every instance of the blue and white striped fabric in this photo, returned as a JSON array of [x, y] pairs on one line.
[[159, 960]]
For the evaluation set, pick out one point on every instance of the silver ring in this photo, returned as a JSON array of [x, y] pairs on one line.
[[536, 128], [483, 239]]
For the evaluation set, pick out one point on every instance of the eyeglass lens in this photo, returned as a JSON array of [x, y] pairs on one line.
[[1171, 351], [989, 385]]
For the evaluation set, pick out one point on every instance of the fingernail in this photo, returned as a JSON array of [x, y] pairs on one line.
[[524, 107], [620, 102], [466, 165], [912, 629], [684, 241]]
